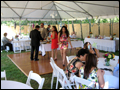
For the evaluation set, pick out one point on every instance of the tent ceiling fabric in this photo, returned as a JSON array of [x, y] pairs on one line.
[[57, 10]]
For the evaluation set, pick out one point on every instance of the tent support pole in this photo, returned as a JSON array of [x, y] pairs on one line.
[[89, 26], [20, 27], [72, 25], [81, 29], [68, 24], [110, 27], [58, 25], [99, 27]]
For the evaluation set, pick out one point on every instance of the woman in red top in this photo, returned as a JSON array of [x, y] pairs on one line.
[[54, 39]]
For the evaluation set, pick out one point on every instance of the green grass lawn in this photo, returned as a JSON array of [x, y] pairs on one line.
[[13, 73]]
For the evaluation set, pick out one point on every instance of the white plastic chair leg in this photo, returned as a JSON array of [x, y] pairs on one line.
[[52, 81], [57, 83]]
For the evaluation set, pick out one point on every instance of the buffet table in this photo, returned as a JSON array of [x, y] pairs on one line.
[[47, 47], [106, 45]]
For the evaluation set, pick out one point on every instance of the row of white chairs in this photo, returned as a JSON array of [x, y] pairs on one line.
[[17, 46], [33, 76], [65, 83]]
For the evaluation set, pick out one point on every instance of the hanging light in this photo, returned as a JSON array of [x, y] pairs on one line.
[[53, 15]]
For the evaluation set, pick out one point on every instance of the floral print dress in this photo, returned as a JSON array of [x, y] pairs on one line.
[[71, 68], [64, 42], [92, 77]]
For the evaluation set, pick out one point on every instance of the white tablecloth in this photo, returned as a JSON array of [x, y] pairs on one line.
[[22, 43], [110, 80], [106, 45], [47, 47], [108, 38], [7, 84], [101, 64]]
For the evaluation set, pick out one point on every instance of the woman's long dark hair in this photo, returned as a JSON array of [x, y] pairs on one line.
[[66, 31], [91, 61], [55, 29]]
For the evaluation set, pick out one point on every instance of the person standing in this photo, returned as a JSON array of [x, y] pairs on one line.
[[43, 31], [48, 30], [63, 39], [35, 42], [54, 39], [7, 42]]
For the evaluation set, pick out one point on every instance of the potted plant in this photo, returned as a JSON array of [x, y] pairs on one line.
[[108, 56]]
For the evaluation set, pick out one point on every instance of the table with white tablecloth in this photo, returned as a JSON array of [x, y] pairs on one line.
[[106, 45], [8, 84], [47, 47], [22, 43]]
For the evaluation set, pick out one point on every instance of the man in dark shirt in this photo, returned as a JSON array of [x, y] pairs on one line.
[[35, 42]]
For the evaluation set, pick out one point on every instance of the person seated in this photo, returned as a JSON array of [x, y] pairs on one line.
[[75, 63], [116, 70], [95, 51], [7, 42], [90, 72], [73, 34]]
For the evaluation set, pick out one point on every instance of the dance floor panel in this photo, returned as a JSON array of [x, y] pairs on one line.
[[23, 62]]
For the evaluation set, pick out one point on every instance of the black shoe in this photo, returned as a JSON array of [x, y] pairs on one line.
[[63, 65], [31, 59], [36, 59], [40, 54]]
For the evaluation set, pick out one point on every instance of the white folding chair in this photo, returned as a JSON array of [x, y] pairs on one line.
[[61, 77], [69, 58], [16, 45], [79, 80], [3, 75], [55, 72], [27, 44], [36, 77]]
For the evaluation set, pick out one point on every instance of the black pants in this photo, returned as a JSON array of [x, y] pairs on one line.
[[36, 48], [10, 46]]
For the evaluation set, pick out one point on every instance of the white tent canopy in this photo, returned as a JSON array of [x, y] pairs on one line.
[[58, 10]]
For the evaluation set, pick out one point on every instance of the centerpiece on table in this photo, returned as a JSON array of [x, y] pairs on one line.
[[108, 56], [114, 36], [96, 36], [88, 36], [16, 37], [91, 34]]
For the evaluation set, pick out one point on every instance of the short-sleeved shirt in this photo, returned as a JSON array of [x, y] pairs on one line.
[[5, 40]]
